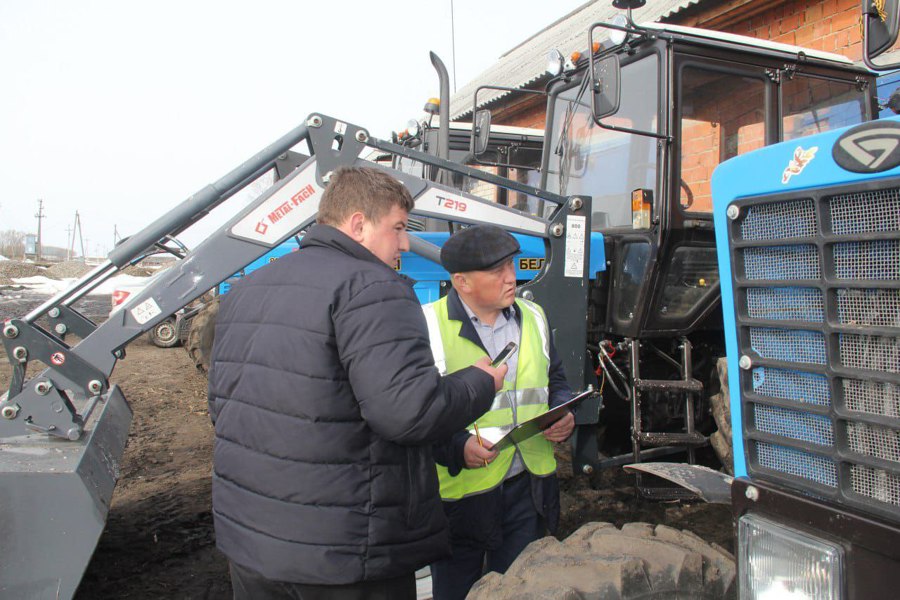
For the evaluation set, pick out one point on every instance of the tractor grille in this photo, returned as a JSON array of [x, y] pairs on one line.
[[817, 301]]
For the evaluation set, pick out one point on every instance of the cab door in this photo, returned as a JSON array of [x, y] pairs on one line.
[[722, 109]]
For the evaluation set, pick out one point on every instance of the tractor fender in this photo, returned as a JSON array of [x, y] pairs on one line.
[[711, 486]]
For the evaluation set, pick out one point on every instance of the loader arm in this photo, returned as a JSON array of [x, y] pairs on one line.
[[285, 209]]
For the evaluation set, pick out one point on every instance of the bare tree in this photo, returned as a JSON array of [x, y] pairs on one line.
[[12, 243]]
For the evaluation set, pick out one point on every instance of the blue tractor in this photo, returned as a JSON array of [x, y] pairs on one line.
[[808, 239], [809, 245]]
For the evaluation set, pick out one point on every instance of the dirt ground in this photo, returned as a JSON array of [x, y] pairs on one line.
[[159, 540]]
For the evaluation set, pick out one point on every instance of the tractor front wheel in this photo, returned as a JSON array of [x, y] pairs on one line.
[[601, 561], [720, 405]]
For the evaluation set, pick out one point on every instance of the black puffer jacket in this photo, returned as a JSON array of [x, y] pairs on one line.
[[325, 400]]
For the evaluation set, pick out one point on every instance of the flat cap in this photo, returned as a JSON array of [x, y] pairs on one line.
[[478, 248]]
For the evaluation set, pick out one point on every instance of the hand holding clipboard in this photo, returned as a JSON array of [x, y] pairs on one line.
[[501, 439]]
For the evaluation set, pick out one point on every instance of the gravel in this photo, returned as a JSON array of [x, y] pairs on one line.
[[68, 269], [14, 269], [137, 271]]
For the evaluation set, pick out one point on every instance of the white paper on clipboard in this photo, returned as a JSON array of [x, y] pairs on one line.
[[501, 437]]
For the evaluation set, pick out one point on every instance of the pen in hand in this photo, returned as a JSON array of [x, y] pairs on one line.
[[480, 443]]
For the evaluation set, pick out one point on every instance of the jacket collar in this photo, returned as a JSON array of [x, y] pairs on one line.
[[331, 237], [457, 312], [326, 236]]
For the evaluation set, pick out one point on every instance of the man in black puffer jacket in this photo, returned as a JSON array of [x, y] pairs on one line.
[[326, 401]]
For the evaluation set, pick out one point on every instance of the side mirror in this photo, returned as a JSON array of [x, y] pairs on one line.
[[881, 27], [605, 75], [481, 131]]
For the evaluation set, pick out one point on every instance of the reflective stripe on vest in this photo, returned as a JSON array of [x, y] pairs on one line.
[[527, 397]]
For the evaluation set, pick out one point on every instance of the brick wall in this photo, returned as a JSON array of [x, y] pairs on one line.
[[828, 25], [723, 117], [523, 111]]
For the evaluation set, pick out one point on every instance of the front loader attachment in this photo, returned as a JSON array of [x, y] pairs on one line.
[[55, 495], [63, 431]]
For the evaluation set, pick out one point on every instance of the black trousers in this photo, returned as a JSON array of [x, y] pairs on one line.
[[452, 578], [250, 585]]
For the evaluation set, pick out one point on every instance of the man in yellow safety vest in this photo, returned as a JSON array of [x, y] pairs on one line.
[[497, 502]]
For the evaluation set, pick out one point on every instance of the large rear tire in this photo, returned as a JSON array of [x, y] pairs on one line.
[[201, 335], [600, 561], [720, 405]]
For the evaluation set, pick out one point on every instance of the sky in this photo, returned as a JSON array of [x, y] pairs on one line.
[[122, 109]]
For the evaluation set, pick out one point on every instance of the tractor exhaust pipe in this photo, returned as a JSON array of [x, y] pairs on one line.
[[443, 114]]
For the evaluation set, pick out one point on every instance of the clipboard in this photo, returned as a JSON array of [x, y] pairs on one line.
[[533, 426]]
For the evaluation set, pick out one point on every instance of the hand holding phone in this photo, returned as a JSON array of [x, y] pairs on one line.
[[504, 355], [497, 373]]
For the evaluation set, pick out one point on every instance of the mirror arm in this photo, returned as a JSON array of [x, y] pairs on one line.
[[474, 124], [502, 89], [590, 74], [659, 136]]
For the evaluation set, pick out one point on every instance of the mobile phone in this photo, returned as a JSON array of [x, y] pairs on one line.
[[504, 355]]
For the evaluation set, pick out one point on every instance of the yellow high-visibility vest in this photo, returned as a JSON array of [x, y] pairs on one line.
[[527, 397]]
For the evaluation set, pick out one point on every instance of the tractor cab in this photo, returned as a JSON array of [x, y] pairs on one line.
[[510, 152], [643, 135]]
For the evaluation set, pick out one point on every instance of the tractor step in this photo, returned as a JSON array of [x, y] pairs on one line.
[[688, 440], [665, 385]]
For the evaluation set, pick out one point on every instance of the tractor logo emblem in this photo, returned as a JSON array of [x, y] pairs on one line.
[[261, 228], [58, 358], [869, 148], [798, 162]]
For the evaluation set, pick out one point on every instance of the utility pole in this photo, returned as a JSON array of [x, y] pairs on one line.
[[69, 231], [40, 216], [116, 236], [77, 227]]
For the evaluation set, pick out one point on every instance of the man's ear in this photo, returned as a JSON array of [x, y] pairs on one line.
[[460, 282], [354, 226]]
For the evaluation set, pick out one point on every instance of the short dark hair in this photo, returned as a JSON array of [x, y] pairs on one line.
[[361, 189]]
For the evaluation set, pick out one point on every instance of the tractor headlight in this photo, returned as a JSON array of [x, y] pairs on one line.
[[555, 62], [617, 36], [778, 562]]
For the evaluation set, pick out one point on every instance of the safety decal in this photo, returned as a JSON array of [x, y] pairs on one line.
[[575, 237], [798, 162], [145, 311]]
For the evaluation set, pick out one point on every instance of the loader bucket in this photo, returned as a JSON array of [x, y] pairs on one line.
[[54, 498]]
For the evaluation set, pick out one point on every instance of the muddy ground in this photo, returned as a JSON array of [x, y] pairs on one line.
[[159, 539]]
